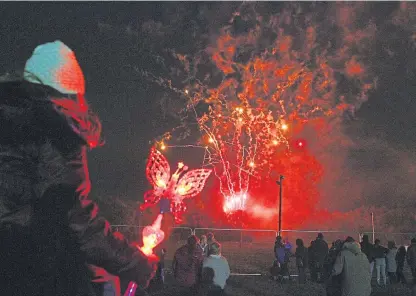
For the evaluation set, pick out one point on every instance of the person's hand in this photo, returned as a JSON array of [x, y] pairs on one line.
[[147, 268], [142, 269]]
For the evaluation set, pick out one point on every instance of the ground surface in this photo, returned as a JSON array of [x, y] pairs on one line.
[[257, 258]]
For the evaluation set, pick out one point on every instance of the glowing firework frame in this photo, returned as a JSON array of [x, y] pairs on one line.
[[176, 188]]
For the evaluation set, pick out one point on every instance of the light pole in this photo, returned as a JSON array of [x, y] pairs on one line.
[[280, 183]]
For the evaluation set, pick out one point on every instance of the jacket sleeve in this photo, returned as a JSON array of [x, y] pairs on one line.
[[106, 249], [408, 256], [339, 265], [174, 263]]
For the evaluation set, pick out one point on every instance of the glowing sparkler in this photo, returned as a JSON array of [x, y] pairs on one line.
[[152, 236], [180, 185]]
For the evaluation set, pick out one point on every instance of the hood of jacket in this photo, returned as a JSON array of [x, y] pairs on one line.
[[353, 247]]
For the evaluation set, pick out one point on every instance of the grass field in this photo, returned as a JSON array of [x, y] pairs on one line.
[[255, 258]]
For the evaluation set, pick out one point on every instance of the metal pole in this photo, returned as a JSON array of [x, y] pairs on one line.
[[280, 183], [241, 229], [372, 224]]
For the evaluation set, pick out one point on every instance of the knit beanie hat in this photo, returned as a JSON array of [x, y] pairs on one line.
[[54, 64]]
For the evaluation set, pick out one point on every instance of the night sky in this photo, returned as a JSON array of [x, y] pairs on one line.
[[108, 43]]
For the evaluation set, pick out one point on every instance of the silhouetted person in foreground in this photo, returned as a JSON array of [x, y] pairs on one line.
[[49, 230]]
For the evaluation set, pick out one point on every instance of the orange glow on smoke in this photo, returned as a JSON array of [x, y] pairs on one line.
[[354, 68]]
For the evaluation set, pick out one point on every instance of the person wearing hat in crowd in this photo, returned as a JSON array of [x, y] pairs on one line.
[[354, 267], [50, 232]]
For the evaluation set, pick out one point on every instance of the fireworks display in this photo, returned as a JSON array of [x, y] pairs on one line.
[[277, 81], [272, 93]]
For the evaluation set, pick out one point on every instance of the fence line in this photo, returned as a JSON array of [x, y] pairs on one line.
[[399, 237]]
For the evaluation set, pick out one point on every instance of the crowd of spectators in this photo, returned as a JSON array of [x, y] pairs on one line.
[[347, 267], [198, 268]]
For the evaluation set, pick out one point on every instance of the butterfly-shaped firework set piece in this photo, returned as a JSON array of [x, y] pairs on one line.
[[182, 184]]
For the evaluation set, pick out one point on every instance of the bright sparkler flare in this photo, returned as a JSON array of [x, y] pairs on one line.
[[152, 236], [284, 127]]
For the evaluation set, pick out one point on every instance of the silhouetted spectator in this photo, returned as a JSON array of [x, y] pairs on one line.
[[391, 265], [187, 264], [158, 282], [217, 264], [282, 257], [301, 260], [400, 259], [354, 267], [311, 260], [204, 245], [368, 249], [332, 255], [210, 240], [380, 253], [333, 282], [319, 251], [411, 258]]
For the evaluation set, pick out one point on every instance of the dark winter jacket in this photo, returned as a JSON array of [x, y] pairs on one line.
[[401, 258], [411, 256], [379, 252], [49, 230], [301, 254], [187, 265], [320, 251], [368, 249]]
